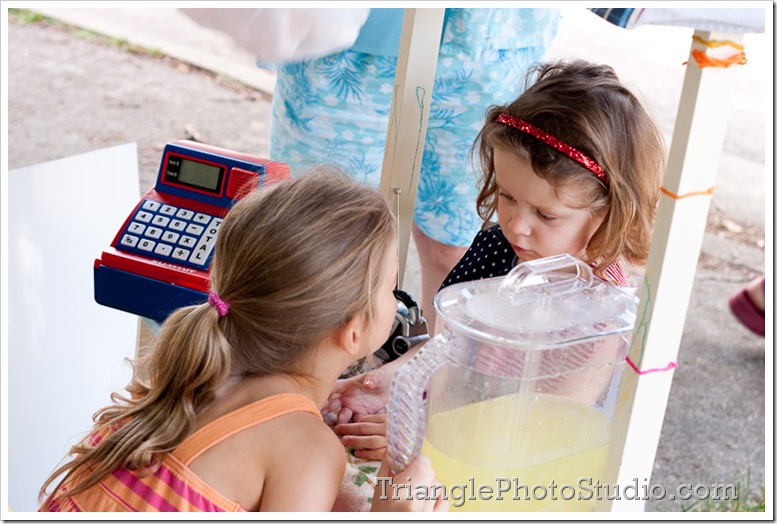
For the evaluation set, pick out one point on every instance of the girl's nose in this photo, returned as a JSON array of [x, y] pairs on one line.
[[519, 225]]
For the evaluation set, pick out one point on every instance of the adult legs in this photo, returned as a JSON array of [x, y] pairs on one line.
[[436, 260]]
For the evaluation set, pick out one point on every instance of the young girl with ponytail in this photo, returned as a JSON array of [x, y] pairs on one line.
[[223, 413]]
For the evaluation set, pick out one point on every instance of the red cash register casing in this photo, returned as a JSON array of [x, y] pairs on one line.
[[160, 258]]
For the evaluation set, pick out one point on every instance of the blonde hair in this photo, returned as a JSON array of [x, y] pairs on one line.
[[586, 106], [294, 262]]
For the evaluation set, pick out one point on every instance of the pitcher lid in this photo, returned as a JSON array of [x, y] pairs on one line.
[[545, 302]]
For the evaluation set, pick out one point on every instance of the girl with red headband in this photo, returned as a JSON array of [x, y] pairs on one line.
[[573, 165]]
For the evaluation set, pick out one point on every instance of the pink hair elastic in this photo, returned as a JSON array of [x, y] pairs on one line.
[[554, 142], [215, 300]]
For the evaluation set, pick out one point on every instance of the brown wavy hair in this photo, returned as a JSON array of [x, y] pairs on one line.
[[294, 261], [586, 106]]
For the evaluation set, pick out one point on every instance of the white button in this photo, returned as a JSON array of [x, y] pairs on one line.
[[129, 240], [150, 205], [202, 218], [180, 254], [199, 256], [146, 245], [217, 222], [209, 236], [194, 229], [213, 229], [160, 221], [163, 249], [154, 232], [189, 242], [171, 237], [136, 228], [203, 249], [144, 216], [168, 210], [186, 214], [178, 225]]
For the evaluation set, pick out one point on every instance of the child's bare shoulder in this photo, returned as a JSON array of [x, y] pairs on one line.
[[311, 439], [309, 464]]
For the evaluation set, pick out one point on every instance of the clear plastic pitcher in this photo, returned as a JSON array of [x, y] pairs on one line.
[[517, 394]]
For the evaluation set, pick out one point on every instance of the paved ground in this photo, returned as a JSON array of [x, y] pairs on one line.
[[70, 93]]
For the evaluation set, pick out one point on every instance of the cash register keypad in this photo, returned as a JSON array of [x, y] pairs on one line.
[[171, 233]]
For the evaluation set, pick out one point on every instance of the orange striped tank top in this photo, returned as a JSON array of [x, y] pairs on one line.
[[173, 486]]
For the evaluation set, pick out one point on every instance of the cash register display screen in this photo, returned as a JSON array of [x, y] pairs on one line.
[[199, 175], [194, 174]]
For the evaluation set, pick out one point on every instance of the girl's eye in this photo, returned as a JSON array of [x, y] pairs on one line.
[[506, 196], [546, 218]]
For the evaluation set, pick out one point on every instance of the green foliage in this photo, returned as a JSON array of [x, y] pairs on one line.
[[24, 16], [745, 501]]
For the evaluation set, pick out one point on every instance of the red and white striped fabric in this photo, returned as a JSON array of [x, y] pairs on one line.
[[615, 274], [173, 486]]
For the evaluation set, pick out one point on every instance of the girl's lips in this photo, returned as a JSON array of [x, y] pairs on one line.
[[518, 250]]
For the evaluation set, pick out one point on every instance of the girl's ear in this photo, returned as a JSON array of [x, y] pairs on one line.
[[349, 337]]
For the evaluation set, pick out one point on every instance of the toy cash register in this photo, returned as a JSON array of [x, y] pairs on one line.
[[159, 260]]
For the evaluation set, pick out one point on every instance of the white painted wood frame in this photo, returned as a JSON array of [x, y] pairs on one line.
[[416, 65], [665, 292]]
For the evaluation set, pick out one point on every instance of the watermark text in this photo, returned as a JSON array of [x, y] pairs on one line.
[[585, 489]]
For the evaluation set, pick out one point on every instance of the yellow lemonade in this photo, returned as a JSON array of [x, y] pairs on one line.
[[529, 450]]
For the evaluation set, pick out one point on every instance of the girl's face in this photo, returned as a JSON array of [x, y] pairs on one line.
[[533, 219], [385, 302]]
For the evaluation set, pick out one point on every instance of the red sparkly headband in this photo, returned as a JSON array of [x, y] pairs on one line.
[[554, 142]]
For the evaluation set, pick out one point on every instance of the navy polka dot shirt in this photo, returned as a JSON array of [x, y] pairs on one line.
[[490, 255]]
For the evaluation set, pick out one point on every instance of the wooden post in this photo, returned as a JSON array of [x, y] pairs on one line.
[[416, 65], [666, 288]]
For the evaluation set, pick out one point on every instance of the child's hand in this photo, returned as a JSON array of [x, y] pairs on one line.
[[358, 396], [367, 437], [418, 473]]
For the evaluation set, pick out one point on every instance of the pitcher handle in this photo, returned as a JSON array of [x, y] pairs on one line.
[[406, 421], [572, 274]]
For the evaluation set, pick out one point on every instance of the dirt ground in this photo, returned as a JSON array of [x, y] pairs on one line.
[[71, 93]]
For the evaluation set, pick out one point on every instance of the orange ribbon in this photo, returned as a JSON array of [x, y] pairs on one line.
[[704, 60], [692, 193]]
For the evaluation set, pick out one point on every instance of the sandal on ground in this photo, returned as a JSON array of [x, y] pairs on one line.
[[743, 307]]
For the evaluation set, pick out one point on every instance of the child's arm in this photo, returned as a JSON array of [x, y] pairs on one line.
[[308, 473]]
